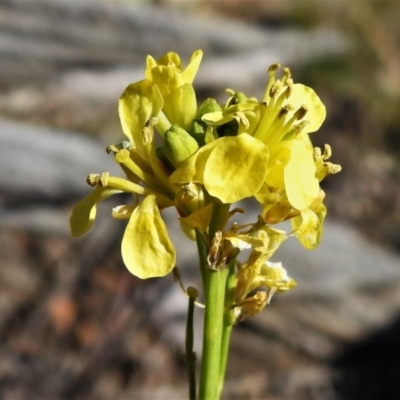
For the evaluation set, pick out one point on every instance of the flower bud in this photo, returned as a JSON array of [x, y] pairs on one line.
[[199, 128], [163, 158], [238, 98], [198, 131], [208, 106], [178, 145]]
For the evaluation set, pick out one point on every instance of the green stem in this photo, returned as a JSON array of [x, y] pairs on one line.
[[212, 336], [227, 325], [214, 283], [190, 354]]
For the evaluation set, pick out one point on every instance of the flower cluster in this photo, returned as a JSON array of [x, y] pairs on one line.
[[215, 154]]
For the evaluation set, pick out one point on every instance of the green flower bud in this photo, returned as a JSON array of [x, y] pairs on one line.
[[208, 106], [163, 158], [198, 131], [178, 145], [199, 127], [241, 97]]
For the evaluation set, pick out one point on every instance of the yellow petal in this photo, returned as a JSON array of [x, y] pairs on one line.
[[192, 170], [147, 250], [217, 118], [242, 242], [303, 95], [123, 212], [308, 226], [199, 219], [150, 63], [139, 102], [167, 78], [84, 212], [277, 164], [302, 187], [236, 168], [273, 275], [180, 105], [191, 70], [170, 58]]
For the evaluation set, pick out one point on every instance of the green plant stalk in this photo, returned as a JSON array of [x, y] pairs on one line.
[[212, 336], [214, 283], [190, 355], [227, 324]]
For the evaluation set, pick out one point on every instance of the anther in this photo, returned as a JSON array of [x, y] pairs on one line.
[[301, 112], [286, 74], [272, 69], [275, 88], [92, 179], [327, 152], [104, 179], [299, 127], [147, 131], [284, 110]]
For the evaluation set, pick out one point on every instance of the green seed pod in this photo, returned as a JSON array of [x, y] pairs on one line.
[[178, 145]]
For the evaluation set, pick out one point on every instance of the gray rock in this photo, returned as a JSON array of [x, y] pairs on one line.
[[43, 39], [41, 164]]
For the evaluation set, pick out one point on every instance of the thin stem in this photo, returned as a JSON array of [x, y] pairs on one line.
[[214, 293], [190, 355], [213, 324], [227, 325]]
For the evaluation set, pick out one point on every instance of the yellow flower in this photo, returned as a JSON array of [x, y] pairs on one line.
[[246, 113], [175, 85], [244, 148], [271, 148], [230, 168], [146, 249]]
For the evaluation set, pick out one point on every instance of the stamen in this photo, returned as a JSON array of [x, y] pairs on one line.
[[212, 257], [299, 127], [289, 88], [229, 102], [112, 148], [104, 179], [317, 155], [327, 152], [273, 68], [92, 179], [148, 131], [284, 110], [286, 74], [186, 193], [234, 100], [275, 88], [271, 72], [301, 112], [123, 157]]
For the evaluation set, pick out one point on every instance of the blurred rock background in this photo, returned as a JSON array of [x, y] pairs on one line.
[[74, 324]]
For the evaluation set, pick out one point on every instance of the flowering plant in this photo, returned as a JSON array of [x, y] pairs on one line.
[[212, 156]]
